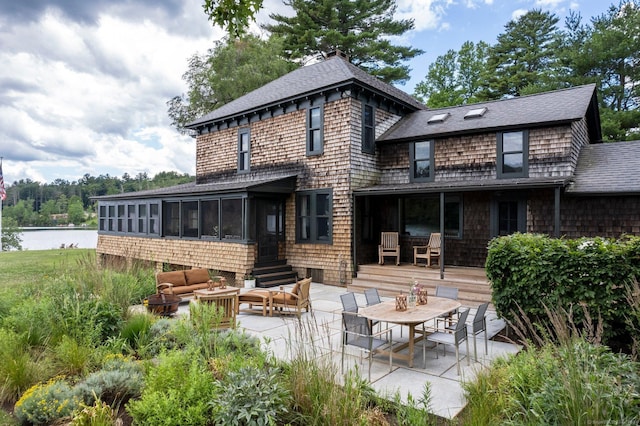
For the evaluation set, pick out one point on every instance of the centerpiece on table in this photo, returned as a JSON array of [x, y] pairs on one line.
[[420, 292]]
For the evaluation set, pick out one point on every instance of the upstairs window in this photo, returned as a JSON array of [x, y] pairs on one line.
[[244, 150], [315, 132], [513, 154], [368, 129], [421, 158]]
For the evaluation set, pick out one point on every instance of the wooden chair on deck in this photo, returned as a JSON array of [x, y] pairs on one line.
[[432, 249], [389, 246]]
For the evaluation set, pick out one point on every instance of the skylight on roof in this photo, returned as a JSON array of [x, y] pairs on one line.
[[475, 113], [438, 118]]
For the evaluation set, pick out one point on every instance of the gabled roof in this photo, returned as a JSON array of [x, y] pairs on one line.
[[304, 81], [560, 106], [607, 169]]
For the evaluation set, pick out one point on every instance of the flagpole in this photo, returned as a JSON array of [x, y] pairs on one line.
[[1, 208]]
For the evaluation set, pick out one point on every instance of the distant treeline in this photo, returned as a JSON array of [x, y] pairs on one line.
[[60, 202]]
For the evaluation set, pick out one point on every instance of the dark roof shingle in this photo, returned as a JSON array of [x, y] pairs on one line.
[[607, 168], [550, 107], [303, 81]]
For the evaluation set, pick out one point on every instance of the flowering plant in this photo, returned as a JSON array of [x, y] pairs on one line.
[[415, 287]]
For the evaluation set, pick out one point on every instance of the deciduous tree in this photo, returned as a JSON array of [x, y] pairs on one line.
[[232, 68]]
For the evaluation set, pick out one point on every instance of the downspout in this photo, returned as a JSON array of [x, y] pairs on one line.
[[442, 236]]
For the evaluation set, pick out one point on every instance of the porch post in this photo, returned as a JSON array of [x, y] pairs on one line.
[[442, 236], [556, 219]]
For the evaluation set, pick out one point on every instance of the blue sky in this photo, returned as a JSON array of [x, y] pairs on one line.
[[84, 84]]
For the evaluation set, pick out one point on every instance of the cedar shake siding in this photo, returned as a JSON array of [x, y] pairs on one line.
[[571, 184]]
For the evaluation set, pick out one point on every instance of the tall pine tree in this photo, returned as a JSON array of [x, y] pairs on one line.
[[359, 28], [524, 58]]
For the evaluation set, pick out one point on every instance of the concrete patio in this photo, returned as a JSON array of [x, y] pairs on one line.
[[319, 333]]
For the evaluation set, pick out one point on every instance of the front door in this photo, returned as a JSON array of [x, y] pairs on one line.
[[270, 221]]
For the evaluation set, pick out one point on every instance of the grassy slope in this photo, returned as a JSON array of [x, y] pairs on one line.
[[17, 267]]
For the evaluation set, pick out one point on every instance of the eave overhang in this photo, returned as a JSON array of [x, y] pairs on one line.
[[267, 185], [463, 186]]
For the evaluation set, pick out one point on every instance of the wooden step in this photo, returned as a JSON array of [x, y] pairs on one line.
[[473, 286]]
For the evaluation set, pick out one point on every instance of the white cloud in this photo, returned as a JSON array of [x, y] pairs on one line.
[[518, 13], [90, 97]]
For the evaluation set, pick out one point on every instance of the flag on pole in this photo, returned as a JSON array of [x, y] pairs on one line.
[[3, 193]]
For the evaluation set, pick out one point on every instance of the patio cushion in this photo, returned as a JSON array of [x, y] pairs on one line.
[[284, 298], [254, 296], [175, 277], [196, 276]]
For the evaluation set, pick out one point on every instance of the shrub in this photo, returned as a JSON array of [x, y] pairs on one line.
[[176, 392], [573, 383], [45, 403], [118, 381], [251, 397], [530, 273]]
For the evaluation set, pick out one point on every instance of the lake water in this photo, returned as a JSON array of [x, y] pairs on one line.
[[53, 238]]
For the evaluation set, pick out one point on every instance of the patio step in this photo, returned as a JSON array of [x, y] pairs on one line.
[[273, 274], [472, 284]]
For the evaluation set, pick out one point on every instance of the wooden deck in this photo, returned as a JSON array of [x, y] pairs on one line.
[[390, 280]]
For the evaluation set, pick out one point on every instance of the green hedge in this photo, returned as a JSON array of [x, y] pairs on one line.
[[531, 271]]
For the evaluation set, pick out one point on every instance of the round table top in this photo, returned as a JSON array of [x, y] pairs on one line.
[[386, 311]]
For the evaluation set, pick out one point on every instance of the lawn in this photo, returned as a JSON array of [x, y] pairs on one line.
[[18, 267]]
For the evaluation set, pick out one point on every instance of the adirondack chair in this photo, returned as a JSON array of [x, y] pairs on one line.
[[389, 247], [431, 250]]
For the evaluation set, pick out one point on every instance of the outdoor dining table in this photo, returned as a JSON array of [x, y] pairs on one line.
[[412, 317]]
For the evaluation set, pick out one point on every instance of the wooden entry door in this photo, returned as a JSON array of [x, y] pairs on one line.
[[270, 224]]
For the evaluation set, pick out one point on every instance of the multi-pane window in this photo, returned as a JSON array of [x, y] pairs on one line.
[[315, 124], [180, 218], [121, 218], [368, 129], [513, 154], [142, 218], [231, 215], [189, 219], [209, 218], [421, 216], [244, 150], [314, 216], [112, 218], [131, 218], [508, 215], [171, 218], [421, 158], [154, 218]]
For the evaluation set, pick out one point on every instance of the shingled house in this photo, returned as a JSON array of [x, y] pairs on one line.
[[304, 173]]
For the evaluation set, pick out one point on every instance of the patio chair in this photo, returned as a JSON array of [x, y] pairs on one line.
[[357, 331], [389, 247], [431, 250], [294, 301], [349, 303], [372, 296], [459, 335], [479, 325], [449, 293]]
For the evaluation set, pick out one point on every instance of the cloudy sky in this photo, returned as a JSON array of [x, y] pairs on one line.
[[84, 84]]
